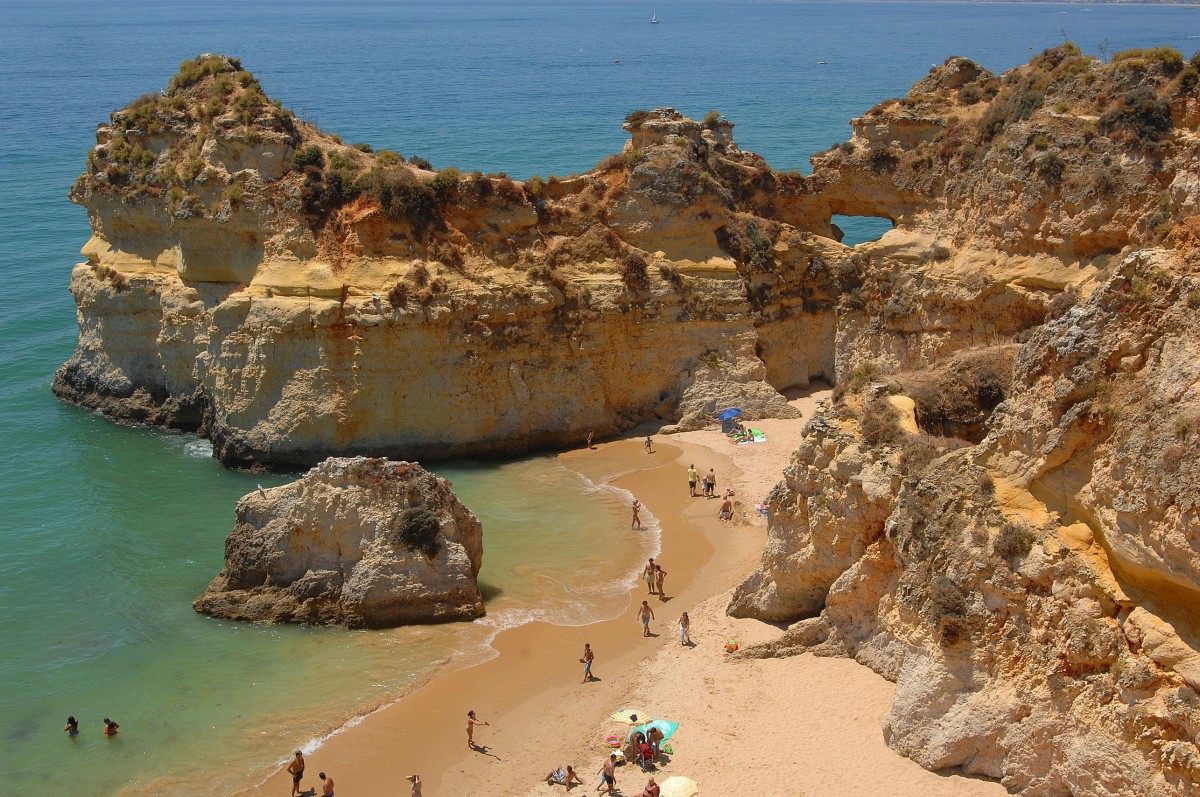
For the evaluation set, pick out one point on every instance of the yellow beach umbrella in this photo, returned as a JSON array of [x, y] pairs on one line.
[[630, 716], [678, 786]]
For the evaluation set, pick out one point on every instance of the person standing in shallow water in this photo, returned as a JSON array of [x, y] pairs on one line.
[[72, 727], [693, 479], [110, 727], [636, 522]]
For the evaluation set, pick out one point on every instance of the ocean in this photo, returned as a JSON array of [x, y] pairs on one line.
[[108, 533]]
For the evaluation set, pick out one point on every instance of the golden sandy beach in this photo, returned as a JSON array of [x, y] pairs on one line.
[[804, 726]]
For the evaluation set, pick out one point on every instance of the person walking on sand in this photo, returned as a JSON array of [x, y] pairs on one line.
[[295, 768], [645, 614], [693, 478], [586, 661], [608, 774], [710, 483], [72, 727], [637, 521], [649, 445], [648, 575], [415, 780], [685, 629], [659, 575], [326, 784], [472, 721], [110, 727]]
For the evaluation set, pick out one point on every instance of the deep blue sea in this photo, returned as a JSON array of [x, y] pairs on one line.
[[107, 533]]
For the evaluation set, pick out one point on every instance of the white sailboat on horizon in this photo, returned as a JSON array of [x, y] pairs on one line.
[[653, 17]]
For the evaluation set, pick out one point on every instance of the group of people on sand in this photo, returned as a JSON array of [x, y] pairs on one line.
[[707, 484], [72, 727], [295, 768], [566, 776]]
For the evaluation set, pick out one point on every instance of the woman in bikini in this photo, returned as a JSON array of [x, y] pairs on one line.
[[659, 575], [471, 723]]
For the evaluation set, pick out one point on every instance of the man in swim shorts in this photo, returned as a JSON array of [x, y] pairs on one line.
[[608, 773], [326, 784], [295, 768], [645, 614], [587, 659], [648, 574]]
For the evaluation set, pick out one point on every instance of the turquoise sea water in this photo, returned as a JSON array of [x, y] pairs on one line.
[[107, 533]]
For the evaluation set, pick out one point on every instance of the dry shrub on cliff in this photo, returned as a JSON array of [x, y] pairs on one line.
[[111, 276], [879, 421], [1142, 115], [417, 530], [398, 295], [634, 272], [1013, 541], [671, 275]]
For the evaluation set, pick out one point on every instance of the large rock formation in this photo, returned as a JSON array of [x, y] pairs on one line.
[[358, 542], [1030, 585], [1023, 566]]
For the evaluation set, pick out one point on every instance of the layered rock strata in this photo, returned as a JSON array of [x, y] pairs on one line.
[[1008, 531], [357, 542]]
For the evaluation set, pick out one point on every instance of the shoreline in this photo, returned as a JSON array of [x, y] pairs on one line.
[[814, 724], [364, 750]]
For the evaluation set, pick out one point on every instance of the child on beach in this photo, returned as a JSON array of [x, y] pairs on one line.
[[649, 445], [472, 721], [685, 629], [586, 661]]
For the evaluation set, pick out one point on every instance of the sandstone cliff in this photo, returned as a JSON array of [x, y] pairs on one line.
[[1010, 532], [357, 542]]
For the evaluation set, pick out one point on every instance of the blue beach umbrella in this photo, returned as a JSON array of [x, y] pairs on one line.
[[732, 412]]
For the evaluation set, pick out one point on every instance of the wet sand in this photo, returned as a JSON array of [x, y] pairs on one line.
[[790, 727], [537, 667]]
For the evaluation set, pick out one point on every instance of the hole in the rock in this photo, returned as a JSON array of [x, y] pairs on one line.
[[860, 229]]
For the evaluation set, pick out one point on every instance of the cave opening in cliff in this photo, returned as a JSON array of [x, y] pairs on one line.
[[860, 229]]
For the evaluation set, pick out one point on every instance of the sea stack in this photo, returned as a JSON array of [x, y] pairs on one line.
[[365, 543]]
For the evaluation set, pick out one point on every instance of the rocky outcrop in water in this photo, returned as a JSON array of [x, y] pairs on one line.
[[356, 542]]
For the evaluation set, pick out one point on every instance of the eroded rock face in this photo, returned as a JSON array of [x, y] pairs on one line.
[[356, 542], [1033, 596]]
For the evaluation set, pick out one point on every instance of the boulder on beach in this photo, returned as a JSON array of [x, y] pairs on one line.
[[365, 543]]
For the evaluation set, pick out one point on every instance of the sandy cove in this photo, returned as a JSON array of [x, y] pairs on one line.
[[770, 727]]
